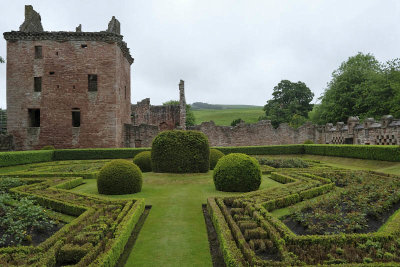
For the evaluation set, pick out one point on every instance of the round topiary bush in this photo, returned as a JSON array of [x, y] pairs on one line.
[[215, 155], [237, 172], [180, 152], [308, 142], [119, 177], [143, 161]]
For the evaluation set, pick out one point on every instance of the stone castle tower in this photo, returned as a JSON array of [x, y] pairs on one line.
[[67, 89]]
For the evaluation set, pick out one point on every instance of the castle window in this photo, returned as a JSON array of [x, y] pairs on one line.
[[38, 52], [76, 117], [37, 84], [92, 82], [84, 45], [34, 117]]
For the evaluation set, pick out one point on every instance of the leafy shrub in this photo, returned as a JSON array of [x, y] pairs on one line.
[[48, 148], [237, 173], [308, 142], [180, 152], [18, 221], [9, 182], [264, 150], [236, 122], [284, 163], [97, 153], [215, 155], [119, 177], [143, 161]]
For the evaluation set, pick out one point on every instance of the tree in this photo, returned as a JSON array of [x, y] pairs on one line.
[[288, 99], [2, 60], [190, 119], [362, 87]]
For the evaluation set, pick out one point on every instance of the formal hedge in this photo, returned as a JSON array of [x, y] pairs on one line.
[[25, 157], [119, 177], [264, 150], [180, 152], [215, 155], [388, 153], [97, 153], [143, 161], [237, 172]]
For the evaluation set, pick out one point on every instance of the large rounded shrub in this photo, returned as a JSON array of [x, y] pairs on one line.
[[215, 155], [237, 172], [143, 161], [119, 177], [180, 152]]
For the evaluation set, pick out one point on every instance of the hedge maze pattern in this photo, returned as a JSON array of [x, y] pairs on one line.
[[251, 236], [98, 235]]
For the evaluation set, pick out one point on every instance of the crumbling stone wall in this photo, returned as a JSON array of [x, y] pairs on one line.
[[261, 133], [65, 62], [164, 117], [6, 142]]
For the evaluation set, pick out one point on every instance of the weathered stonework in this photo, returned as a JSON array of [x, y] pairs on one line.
[[65, 62], [6, 142]]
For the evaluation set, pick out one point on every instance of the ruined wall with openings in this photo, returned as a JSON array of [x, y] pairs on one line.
[[67, 89]]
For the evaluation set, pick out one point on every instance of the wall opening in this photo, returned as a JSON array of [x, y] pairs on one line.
[[349, 141], [38, 52], [34, 117], [76, 117], [92, 82], [37, 84], [51, 72], [83, 45]]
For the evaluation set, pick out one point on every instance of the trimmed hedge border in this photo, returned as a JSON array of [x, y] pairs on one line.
[[374, 152]]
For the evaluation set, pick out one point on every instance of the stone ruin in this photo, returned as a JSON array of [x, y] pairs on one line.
[[60, 92]]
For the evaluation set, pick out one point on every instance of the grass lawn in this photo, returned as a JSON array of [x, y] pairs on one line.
[[174, 233], [226, 116]]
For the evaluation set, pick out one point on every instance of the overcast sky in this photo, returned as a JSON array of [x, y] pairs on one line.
[[228, 52]]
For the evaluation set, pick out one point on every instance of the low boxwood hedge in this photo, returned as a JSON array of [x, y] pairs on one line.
[[25, 157], [143, 161], [97, 153]]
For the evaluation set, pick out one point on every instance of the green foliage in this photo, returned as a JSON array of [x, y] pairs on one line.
[[190, 118], [96, 153], [143, 161], [9, 182], [215, 155], [297, 120], [24, 157], [18, 221], [387, 153], [362, 87], [119, 177], [264, 150], [284, 163], [237, 172], [289, 99], [2, 60], [48, 148], [225, 116], [180, 152], [308, 142], [236, 121]]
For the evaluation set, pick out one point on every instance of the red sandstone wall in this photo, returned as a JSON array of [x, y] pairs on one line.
[[102, 113]]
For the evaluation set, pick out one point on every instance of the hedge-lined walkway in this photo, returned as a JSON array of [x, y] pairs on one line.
[[174, 233]]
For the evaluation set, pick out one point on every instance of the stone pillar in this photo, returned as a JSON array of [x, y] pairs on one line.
[[182, 105]]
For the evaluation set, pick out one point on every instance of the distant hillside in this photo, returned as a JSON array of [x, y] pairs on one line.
[[227, 115], [201, 105]]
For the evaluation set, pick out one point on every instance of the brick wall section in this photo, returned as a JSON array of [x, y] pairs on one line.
[[6, 142], [103, 113]]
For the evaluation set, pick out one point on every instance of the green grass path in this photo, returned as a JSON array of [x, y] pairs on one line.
[[174, 233]]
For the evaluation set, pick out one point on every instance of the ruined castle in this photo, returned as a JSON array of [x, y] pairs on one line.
[[71, 89]]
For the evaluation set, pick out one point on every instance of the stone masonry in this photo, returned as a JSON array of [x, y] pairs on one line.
[[67, 89]]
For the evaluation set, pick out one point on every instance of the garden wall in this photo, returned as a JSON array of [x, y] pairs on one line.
[[6, 142]]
